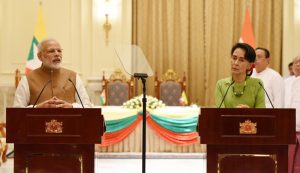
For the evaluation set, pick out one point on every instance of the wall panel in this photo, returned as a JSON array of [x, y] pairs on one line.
[[73, 23]]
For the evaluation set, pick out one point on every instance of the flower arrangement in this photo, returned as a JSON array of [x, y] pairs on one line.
[[136, 103]]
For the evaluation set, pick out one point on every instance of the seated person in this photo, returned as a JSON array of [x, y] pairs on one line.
[[240, 90], [51, 86]]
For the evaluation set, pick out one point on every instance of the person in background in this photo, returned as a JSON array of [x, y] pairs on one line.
[[292, 100], [273, 82], [291, 73], [51, 86], [240, 90]]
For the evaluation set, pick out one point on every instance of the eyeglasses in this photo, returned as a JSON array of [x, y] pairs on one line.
[[51, 51]]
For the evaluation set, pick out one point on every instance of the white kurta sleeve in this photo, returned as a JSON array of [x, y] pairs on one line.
[[295, 103], [278, 91], [22, 94], [82, 93], [288, 91]]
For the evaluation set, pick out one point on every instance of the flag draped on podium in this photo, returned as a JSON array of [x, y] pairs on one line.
[[39, 34], [247, 35]]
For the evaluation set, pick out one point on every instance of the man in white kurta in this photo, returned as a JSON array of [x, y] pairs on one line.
[[292, 100], [273, 82]]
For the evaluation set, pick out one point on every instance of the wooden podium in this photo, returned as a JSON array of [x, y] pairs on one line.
[[52, 140], [247, 140]]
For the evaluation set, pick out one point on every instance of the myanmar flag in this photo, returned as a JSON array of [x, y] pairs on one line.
[[183, 99], [103, 97], [33, 61], [247, 35]]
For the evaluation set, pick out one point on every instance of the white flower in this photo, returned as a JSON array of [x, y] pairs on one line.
[[136, 103]]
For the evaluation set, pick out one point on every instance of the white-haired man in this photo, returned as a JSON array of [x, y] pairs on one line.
[[292, 100], [50, 86]]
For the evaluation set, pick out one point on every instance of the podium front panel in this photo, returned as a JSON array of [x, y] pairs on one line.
[[55, 126], [235, 126], [247, 140], [54, 140]]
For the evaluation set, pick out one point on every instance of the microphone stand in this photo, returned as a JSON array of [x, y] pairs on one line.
[[143, 77]]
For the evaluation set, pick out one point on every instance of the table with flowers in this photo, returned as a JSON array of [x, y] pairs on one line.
[[169, 128]]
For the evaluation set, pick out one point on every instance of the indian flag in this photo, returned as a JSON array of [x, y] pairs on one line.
[[247, 35], [33, 61]]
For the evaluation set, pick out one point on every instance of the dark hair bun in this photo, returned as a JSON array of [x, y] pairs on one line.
[[249, 51]]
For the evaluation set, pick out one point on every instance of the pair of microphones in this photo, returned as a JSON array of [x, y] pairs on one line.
[[258, 83], [48, 84]]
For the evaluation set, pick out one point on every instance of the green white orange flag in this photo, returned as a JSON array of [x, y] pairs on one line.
[[33, 61], [247, 35]]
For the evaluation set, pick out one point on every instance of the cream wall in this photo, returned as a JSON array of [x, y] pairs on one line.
[[291, 32], [79, 27], [75, 23]]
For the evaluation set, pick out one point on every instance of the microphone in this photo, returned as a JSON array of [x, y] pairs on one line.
[[226, 93], [76, 92], [266, 94], [41, 93]]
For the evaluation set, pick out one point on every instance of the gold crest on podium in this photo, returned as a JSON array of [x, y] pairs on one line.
[[54, 126], [248, 127]]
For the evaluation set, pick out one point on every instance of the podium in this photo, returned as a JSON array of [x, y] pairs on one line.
[[52, 140], [247, 140]]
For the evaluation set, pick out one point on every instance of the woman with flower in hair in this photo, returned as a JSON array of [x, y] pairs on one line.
[[240, 90]]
